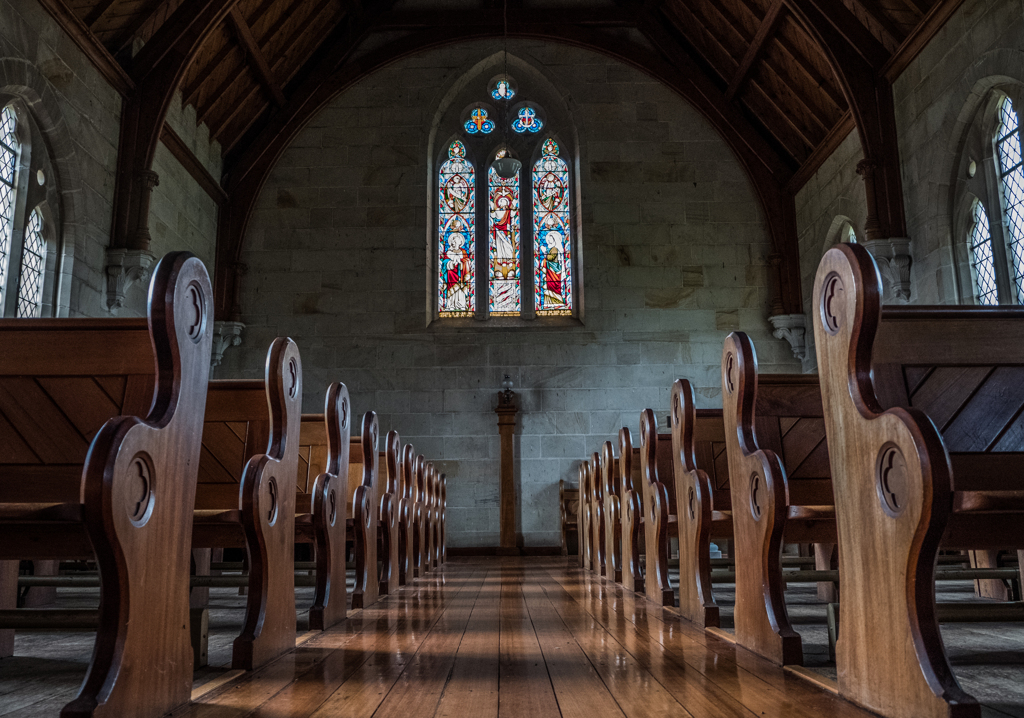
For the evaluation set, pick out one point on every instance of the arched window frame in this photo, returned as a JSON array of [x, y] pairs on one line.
[[978, 182], [481, 151], [35, 179]]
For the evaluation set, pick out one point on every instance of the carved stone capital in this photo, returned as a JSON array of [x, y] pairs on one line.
[[894, 260], [225, 335], [125, 267], [792, 328]]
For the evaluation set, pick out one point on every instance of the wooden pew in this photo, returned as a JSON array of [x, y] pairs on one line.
[[705, 501], [597, 517], [584, 518], [97, 462], [611, 484], [442, 520], [568, 514], [632, 514], [365, 518], [389, 571], [406, 524], [325, 523], [255, 508], [901, 487], [431, 516], [421, 566], [781, 485], [435, 517], [659, 503]]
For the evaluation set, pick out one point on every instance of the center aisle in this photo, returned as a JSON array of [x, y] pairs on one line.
[[517, 637]]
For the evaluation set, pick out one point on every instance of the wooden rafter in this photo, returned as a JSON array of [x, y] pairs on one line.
[[93, 49], [164, 6], [97, 13], [518, 17], [930, 24], [192, 165], [765, 31], [257, 57], [843, 22], [892, 36]]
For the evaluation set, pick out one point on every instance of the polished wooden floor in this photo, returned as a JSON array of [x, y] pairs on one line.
[[516, 637]]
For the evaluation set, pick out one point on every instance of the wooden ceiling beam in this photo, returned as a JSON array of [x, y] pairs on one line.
[[892, 35], [90, 46], [765, 32], [414, 20], [97, 13], [142, 21], [930, 24], [843, 22], [219, 122], [255, 54], [822, 152], [921, 7], [192, 165]]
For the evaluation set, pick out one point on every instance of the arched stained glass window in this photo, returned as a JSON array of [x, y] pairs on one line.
[[1011, 175], [551, 234], [457, 233], [505, 245], [9, 147], [30, 286], [981, 257]]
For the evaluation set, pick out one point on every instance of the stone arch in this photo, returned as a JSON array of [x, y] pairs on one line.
[[23, 80]]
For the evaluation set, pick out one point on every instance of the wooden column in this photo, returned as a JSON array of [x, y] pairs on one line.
[[506, 411]]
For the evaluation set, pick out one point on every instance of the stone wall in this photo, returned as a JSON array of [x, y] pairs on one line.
[[673, 258], [80, 114], [935, 100]]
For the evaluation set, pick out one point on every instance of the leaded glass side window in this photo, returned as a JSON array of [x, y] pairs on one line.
[[30, 285], [505, 258], [9, 147], [457, 234], [982, 261], [1011, 175], [551, 235]]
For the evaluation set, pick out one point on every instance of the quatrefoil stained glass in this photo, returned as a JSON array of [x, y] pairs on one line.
[[527, 121], [478, 122]]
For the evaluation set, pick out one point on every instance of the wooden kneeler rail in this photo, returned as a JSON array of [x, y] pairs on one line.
[[902, 489], [84, 475]]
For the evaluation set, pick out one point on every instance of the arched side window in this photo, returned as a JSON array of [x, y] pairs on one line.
[[982, 261], [30, 285], [551, 235], [456, 235], [1011, 177], [9, 151]]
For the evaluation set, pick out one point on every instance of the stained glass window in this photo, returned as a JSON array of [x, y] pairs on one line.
[[551, 236], [8, 165], [527, 121], [478, 123], [503, 90], [505, 250], [456, 234], [1012, 175], [30, 289], [981, 257]]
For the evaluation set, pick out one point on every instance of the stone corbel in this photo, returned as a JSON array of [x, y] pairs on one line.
[[792, 328], [893, 258], [125, 267], [225, 335]]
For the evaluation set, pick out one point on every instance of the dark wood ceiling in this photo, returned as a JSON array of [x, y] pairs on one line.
[[766, 65]]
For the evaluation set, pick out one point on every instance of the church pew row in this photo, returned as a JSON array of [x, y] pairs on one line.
[[100, 461], [922, 410], [568, 518]]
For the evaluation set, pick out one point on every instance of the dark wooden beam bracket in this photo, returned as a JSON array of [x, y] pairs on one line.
[[98, 55], [254, 52], [196, 169]]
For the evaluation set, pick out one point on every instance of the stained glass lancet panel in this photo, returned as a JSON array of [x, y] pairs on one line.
[[981, 257], [1011, 174], [456, 235], [505, 245], [8, 166], [552, 240], [30, 285]]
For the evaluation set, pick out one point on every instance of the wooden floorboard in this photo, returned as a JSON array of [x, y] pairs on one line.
[[504, 637]]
